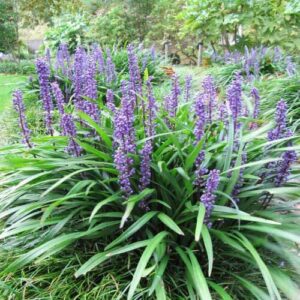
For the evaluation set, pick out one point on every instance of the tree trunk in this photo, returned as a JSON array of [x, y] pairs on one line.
[[200, 54]]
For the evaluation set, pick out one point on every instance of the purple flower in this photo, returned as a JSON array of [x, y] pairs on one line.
[[124, 166], [188, 87], [98, 58], [208, 198], [90, 82], [280, 130], [200, 171], [145, 154], [146, 151], [59, 97], [20, 109], [124, 139], [150, 113], [43, 72], [110, 100], [256, 98], [69, 130], [91, 109], [283, 168], [171, 101], [210, 94], [223, 112], [134, 70], [63, 60], [79, 71], [200, 118], [234, 96], [110, 68], [290, 66], [277, 54]]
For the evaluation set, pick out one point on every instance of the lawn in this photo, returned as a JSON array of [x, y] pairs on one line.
[[7, 84]]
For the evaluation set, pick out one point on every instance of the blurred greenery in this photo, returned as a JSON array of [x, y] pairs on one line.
[[8, 26]]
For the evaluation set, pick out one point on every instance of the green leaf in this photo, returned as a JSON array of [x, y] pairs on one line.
[[159, 274], [247, 218], [99, 258], [62, 180], [99, 130], [209, 248], [220, 290], [169, 223], [200, 280], [108, 200], [132, 229], [153, 243], [275, 232], [90, 149], [272, 289], [50, 246], [128, 210], [200, 219], [193, 155], [143, 194]]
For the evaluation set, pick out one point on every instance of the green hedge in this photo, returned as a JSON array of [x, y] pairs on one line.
[[24, 67]]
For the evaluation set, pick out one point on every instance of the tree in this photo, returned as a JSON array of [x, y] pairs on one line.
[[272, 22], [8, 26], [41, 11]]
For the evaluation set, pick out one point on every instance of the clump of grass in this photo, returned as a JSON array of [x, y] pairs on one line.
[[203, 226]]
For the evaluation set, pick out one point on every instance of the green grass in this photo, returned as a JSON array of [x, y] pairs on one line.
[[7, 84]]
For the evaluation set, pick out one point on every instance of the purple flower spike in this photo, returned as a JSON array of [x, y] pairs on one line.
[[283, 170], [150, 110], [134, 70], [91, 109], [256, 98], [223, 112], [210, 94], [200, 118], [208, 198], [43, 72], [280, 130], [110, 68], [124, 166], [188, 87], [59, 97], [145, 154], [290, 66], [69, 130], [110, 100], [277, 54], [63, 60], [234, 96], [99, 59], [171, 101], [78, 76], [20, 109], [200, 171], [124, 139], [90, 84]]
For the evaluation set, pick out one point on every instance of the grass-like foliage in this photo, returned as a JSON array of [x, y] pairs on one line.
[[287, 88], [211, 218]]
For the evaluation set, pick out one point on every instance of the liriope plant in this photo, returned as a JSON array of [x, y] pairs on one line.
[[184, 197]]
